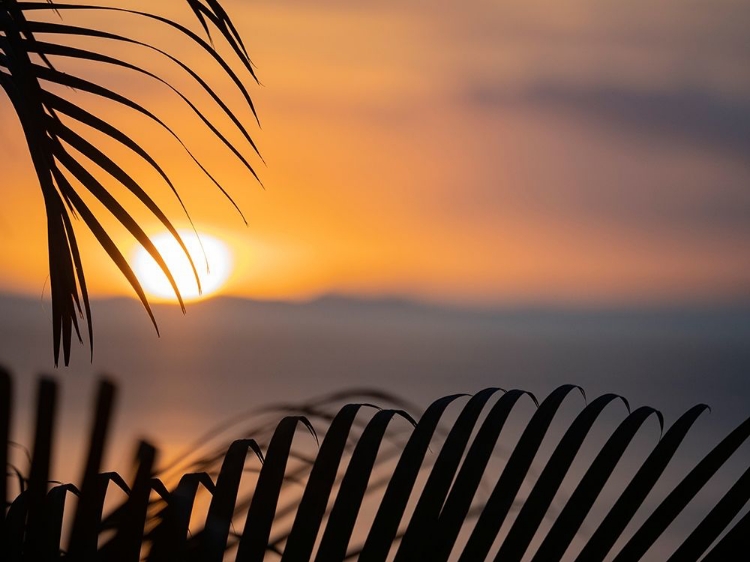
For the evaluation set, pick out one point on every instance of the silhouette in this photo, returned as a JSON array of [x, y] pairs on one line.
[[52, 128], [384, 459], [446, 484]]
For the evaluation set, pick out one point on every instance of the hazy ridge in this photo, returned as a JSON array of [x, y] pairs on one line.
[[231, 355]]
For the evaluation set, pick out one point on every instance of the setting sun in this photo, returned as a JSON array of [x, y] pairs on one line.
[[213, 270]]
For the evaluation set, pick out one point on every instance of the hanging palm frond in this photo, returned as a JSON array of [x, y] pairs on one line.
[[451, 486], [67, 163]]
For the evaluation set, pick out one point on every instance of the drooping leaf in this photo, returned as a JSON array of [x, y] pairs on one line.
[[85, 532], [213, 539], [681, 495], [337, 534], [503, 494], [615, 521], [40, 469], [569, 520], [54, 510], [390, 512], [427, 509], [256, 533], [170, 540], [312, 506], [49, 139], [458, 503]]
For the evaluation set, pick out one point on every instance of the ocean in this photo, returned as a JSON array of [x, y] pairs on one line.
[[228, 356]]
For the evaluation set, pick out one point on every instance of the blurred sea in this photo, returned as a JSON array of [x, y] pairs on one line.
[[228, 356]]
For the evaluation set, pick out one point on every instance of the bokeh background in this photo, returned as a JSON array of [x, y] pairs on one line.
[[456, 195], [477, 152]]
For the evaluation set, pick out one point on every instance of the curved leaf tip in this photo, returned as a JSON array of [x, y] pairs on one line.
[[51, 139]]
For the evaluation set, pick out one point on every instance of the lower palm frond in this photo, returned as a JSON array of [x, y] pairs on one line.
[[375, 484], [70, 167]]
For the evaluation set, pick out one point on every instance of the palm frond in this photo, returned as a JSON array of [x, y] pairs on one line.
[[67, 163], [424, 481]]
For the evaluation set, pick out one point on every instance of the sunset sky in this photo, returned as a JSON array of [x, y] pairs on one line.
[[453, 195], [477, 152]]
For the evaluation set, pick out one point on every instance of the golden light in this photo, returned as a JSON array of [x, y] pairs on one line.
[[212, 278]]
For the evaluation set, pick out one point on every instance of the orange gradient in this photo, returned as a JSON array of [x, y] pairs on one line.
[[391, 170]]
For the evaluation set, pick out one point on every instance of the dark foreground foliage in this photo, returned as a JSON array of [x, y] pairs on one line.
[[80, 174], [445, 487]]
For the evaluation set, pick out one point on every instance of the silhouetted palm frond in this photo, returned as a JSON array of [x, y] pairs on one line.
[[475, 478], [68, 164]]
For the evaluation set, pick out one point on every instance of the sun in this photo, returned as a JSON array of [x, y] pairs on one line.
[[212, 275]]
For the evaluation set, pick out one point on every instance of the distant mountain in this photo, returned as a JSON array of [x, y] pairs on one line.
[[725, 320], [229, 355]]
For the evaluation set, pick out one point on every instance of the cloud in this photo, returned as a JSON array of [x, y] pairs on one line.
[[694, 116]]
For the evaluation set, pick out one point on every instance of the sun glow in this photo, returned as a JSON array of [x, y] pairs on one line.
[[212, 278]]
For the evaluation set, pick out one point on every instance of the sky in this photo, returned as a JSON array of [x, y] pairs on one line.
[[472, 152], [476, 152]]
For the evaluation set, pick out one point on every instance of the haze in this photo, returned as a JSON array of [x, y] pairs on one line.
[[473, 152]]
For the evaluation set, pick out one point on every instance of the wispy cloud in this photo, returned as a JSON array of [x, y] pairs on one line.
[[698, 117]]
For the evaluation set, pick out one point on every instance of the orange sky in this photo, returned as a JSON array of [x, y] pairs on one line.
[[461, 152]]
